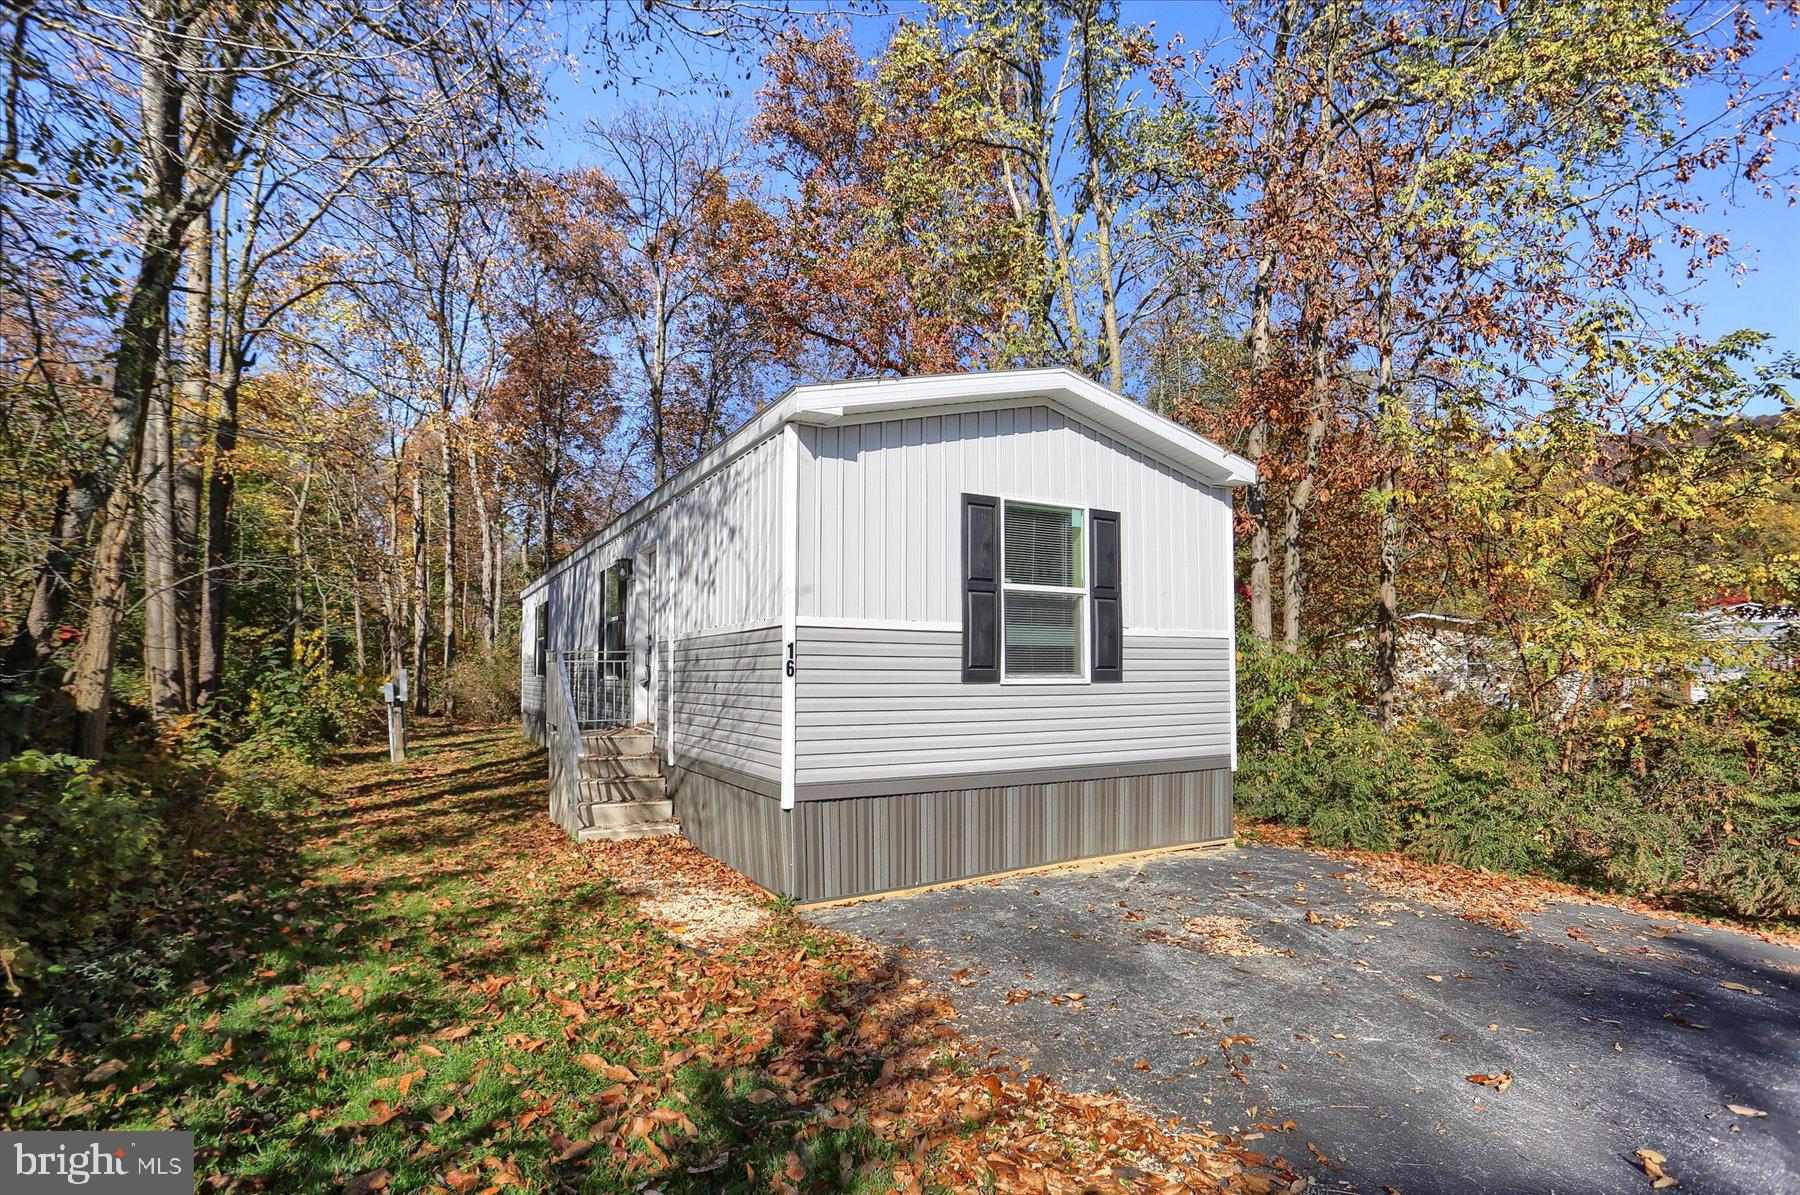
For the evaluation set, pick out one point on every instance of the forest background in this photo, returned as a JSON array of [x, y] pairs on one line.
[[325, 326]]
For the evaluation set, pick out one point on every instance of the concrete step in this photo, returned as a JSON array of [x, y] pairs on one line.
[[622, 790], [624, 741], [627, 813], [614, 767], [623, 833]]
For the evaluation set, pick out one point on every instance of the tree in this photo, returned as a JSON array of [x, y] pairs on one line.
[[556, 409], [898, 252], [641, 237]]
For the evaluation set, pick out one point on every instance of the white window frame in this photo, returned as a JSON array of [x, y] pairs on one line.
[[1084, 592]]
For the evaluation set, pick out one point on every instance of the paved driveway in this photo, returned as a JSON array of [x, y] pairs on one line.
[[1358, 1016]]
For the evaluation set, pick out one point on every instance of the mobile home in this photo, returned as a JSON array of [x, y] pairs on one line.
[[902, 631]]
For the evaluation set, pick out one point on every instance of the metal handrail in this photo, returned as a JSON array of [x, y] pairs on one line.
[[600, 687], [562, 740]]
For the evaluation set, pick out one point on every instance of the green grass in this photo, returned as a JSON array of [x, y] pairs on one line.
[[384, 982]]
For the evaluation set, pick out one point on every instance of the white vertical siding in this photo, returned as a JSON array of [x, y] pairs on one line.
[[879, 533], [718, 564], [718, 559]]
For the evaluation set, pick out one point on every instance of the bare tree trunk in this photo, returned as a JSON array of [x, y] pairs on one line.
[[162, 615], [547, 517], [1262, 302], [658, 371], [490, 594], [1256, 496], [356, 616], [447, 461], [1387, 598], [297, 606], [94, 659], [215, 588], [190, 425], [1300, 496], [1103, 215], [421, 596], [1065, 268]]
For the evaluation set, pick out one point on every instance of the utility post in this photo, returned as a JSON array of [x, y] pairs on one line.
[[394, 693]]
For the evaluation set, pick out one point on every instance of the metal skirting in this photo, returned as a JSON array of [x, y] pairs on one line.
[[827, 850], [734, 825]]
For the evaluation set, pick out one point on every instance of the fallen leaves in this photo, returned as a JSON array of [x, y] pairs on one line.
[[584, 1057], [1653, 1164], [1219, 933], [1499, 1082], [104, 1071], [1746, 1110], [367, 1183]]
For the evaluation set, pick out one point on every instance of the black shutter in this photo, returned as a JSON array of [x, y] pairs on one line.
[[981, 588], [543, 635], [1103, 595]]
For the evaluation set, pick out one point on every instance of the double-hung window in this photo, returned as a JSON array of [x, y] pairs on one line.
[[1044, 621]]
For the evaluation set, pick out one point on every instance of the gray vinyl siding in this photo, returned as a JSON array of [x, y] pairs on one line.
[[736, 826], [876, 844], [889, 703], [727, 701], [879, 506]]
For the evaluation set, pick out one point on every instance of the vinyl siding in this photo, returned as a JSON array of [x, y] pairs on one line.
[[717, 564], [717, 555], [879, 505], [888, 703], [727, 701]]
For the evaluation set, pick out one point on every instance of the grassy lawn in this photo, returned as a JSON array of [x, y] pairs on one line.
[[413, 982]]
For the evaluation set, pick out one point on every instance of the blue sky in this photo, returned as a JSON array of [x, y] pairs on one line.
[[1762, 292]]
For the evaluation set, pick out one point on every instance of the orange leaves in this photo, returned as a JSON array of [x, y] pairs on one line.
[[600, 1066], [1653, 1164], [1498, 1083]]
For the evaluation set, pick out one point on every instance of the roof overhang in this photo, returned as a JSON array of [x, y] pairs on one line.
[[1092, 403]]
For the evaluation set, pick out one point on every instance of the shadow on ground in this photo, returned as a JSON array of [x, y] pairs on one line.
[[1358, 1017]]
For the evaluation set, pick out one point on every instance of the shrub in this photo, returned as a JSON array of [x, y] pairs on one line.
[[310, 709], [1697, 806], [485, 688], [78, 844]]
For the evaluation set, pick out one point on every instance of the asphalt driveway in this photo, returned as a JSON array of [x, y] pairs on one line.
[[1357, 1017]]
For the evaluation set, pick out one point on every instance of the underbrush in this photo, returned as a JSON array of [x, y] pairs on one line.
[[485, 688], [96, 854], [1695, 806]]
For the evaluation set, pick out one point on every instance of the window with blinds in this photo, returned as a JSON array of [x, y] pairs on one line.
[[1045, 600]]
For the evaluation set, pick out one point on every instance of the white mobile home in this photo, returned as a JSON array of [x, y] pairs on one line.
[[902, 631]]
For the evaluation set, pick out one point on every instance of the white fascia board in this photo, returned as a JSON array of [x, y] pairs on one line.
[[831, 402], [1088, 400]]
